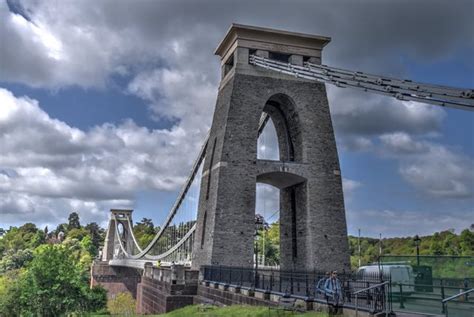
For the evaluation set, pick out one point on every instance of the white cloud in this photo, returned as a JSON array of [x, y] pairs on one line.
[[63, 43], [402, 143], [177, 94], [349, 186], [358, 114], [431, 168], [46, 162]]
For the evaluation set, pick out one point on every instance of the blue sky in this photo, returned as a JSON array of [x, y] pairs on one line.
[[106, 104]]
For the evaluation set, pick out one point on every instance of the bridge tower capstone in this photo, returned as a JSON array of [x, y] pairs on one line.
[[313, 232]]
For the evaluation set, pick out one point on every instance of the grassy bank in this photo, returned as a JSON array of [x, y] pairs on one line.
[[236, 311]]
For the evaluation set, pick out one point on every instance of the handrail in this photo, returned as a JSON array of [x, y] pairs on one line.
[[457, 295], [371, 287], [446, 300], [366, 289], [426, 285]]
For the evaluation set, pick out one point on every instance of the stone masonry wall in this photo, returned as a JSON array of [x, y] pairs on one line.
[[115, 279], [225, 230]]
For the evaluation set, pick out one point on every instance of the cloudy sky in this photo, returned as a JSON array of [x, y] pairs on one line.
[[106, 103]]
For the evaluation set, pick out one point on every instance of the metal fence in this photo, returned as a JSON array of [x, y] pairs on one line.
[[304, 285], [428, 298], [435, 278]]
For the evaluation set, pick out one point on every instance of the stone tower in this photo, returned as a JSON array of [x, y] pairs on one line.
[[313, 233], [111, 248]]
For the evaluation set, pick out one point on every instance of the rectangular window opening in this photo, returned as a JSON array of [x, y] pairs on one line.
[[229, 64], [285, 58]]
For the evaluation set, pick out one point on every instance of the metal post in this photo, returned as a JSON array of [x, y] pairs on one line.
[[291, 282], [367, 285], [443, 308], [279, 278], [401, 296], [380, 245], [307, 287], [358, 242], [256, 260], [271, 281], [241, 275], [357, 302], [417, 241]]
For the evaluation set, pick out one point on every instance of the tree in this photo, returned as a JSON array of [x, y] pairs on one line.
[[73, 221], [54, 284], [38, 239], [467, 242], [144, 231], [10, 292], [77, 233], [62, 227], [87, 245], [96, 233], [13, 260]]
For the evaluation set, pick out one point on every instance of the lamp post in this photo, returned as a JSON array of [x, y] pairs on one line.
[[417, 241], [259, 225]]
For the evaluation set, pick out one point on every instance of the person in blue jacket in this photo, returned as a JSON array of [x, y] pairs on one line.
[[319, 289], [333, 289]]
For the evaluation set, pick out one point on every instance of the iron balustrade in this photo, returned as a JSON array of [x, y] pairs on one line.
[[431, 302], [302, 284], [382, 287]]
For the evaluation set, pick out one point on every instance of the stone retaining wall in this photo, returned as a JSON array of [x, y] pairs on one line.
[[115, 279], [156, 296]]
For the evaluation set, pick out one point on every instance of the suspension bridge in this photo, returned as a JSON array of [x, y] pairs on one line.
[[266, 75]]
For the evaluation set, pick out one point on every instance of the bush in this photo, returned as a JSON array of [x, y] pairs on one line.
[[53, 284], [123, 304]]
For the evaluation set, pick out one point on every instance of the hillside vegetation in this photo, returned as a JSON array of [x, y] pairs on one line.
[[46, 272]]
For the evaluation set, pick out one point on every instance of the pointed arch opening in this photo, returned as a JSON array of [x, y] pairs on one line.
[[280, 138], [267, 143]]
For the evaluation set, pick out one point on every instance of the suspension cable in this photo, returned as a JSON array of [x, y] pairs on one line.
[[188, 184], [406, 90]]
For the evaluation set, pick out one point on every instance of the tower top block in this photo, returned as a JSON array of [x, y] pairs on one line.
[[270, 40]]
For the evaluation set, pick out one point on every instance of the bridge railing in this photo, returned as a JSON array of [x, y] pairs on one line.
[[177, 274], [305, 285], [428, 298]]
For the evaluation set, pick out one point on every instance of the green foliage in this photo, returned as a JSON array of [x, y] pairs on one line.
[[55, 284], [269, 244], [73, 221], [39, 279], [123, 304], [144, 232], [62, 227], [97, 235], [77, 233], [440, 243], [24, 237], [12, 260], [9, 293]]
